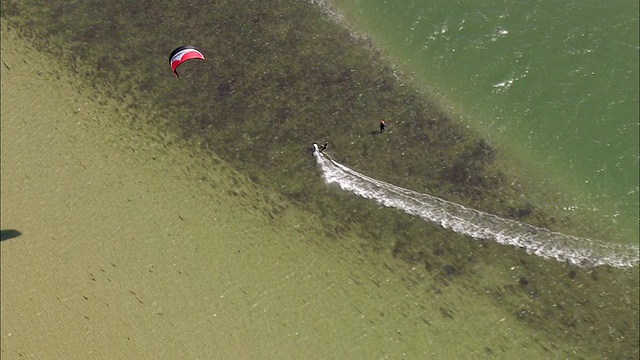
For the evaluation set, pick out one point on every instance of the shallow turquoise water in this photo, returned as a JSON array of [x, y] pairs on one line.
[[555, 83]]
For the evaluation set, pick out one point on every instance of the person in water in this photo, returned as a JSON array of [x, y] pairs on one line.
[[324, 146], [383, 125]]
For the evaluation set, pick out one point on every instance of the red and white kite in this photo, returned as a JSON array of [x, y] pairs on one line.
[[182, 54]]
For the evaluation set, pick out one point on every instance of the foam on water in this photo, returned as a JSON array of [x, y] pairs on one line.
[[477, 224]]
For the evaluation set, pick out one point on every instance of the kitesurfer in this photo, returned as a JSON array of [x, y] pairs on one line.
[[383, 125], [324, 146]]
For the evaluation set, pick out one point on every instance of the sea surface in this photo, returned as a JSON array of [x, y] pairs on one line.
[[553, 83], [341, 278]]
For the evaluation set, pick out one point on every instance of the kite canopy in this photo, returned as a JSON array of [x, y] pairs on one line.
[[182, 54]]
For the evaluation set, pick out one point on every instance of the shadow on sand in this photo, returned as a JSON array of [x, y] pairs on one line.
[[9, 234]]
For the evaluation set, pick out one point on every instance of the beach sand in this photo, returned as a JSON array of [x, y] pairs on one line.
[[134, 248]]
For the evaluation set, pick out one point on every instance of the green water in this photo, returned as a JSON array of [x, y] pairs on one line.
[[554, 83]]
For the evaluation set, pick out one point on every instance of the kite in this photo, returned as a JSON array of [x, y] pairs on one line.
[[182, 54]]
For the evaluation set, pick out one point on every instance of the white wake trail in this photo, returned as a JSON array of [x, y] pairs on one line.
[[477, 224]]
